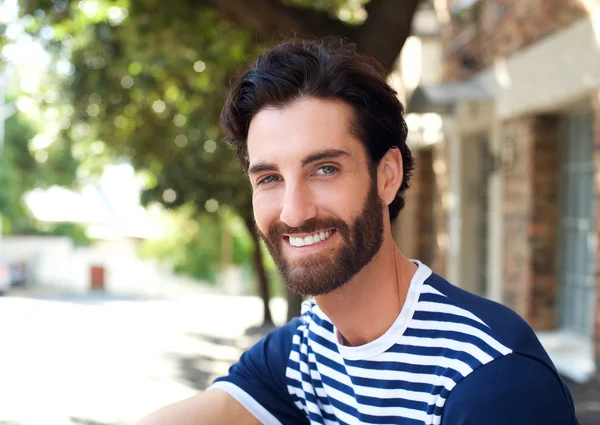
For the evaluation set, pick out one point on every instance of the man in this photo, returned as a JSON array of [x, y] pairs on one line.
[[385, 341]]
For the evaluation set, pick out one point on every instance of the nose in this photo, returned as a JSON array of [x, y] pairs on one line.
[[298, 205]]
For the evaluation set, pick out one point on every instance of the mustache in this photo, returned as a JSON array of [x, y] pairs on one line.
[[313, 225]]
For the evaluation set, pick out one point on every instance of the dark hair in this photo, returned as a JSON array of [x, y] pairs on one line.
[[326, 69]]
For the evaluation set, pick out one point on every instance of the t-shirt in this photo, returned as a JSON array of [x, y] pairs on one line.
[[450, 357]]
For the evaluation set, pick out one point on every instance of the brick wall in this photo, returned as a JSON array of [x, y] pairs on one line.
[[517, 215], [419, 226], [544, 225], [531, 220], [404, 228], [503, 27], [426, 240], [440, 161]]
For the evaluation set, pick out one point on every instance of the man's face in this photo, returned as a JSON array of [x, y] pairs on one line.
[[316, 204]]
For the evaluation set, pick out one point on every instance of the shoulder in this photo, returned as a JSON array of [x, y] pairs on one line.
[[502, 323], [513, 389]]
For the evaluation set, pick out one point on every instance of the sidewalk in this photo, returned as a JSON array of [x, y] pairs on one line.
[[587, 401], [586, 397]]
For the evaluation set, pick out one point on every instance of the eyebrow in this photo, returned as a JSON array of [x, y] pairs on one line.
[[326, 154], [317, 156]]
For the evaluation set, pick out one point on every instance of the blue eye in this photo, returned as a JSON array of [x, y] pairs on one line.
[[327, 170], [268, 179]]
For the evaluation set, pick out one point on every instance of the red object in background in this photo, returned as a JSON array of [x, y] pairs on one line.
[[97, 278]]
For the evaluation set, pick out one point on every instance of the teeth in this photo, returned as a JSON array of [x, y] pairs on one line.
[[309, 240]]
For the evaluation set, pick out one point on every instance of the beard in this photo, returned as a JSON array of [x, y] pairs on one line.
[[322, 272]]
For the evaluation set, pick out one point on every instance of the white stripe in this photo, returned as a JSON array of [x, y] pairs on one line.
[[306, 307], [297, 341], [294, 375], [392, 393], [395, 375], [371, 391], [327, 371], [310, 406], [370, 410], [326, 352], [440, 401], [382, 393], [462, 328], [417, 359], [263, 415], [428, 289], [321, 331], [453, 344], [447, 308], [342, 398], [383, 374], [419, 415], [431, 379]]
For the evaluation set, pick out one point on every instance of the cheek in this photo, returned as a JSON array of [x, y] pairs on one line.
[[338, 201], [266, 210]]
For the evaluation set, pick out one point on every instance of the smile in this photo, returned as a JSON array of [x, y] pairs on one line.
[[310, 239]]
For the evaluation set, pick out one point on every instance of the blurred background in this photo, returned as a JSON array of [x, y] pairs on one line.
[[130, 276]]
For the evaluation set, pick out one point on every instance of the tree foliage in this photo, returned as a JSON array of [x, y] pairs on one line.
[[150, 76], [21, 172]]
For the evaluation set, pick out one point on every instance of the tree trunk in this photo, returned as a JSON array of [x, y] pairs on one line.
[[261, 273], [294, 304]]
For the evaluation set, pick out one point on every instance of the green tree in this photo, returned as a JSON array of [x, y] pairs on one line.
[[20, 172], [150, 77]]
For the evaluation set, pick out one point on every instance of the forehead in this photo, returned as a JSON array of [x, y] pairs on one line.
[[305, 126]]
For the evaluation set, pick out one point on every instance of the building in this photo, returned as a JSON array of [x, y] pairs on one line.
[[506, 195]]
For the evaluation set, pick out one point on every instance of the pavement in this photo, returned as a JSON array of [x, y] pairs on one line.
[[586, 398], [109, 359], [105, 359]]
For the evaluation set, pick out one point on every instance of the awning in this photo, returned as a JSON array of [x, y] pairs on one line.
[[441, 98]]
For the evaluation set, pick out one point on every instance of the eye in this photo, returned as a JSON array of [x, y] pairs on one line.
[[327, 170], [267, 179]]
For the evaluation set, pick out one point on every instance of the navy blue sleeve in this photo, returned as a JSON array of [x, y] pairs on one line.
[[258, 379], [515, 390]]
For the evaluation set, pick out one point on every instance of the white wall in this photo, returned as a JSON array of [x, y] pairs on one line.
[[54, 261], [557, 70], [46, 258]]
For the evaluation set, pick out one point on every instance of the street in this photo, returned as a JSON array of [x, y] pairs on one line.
[[101, 359]]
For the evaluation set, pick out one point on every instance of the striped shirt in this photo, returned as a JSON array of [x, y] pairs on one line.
[[432, 366]]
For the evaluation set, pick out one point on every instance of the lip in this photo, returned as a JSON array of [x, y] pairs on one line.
[[312, 247]]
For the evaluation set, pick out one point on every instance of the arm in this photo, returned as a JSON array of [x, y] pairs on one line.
[[515, 390], [214, 407]]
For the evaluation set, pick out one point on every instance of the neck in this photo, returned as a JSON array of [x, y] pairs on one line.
[[366, 306]]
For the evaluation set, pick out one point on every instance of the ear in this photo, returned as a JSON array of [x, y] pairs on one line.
[[389, 175]]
